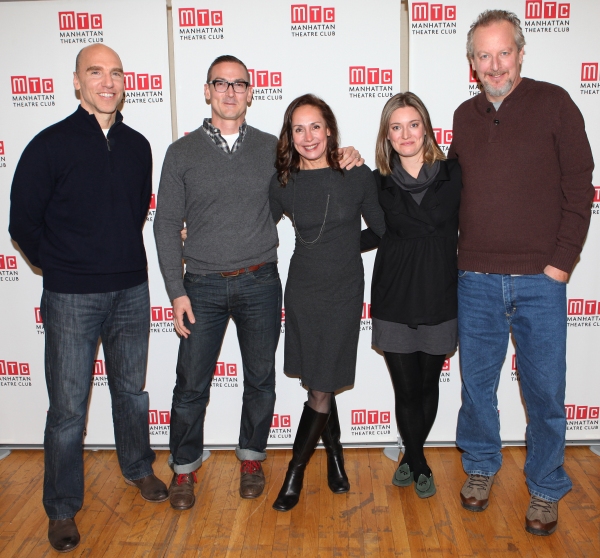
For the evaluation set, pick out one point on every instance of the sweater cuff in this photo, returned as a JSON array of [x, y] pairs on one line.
[[175, 289], [368, 240], [563, 259]]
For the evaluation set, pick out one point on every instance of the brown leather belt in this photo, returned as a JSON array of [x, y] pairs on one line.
[[243, 270]]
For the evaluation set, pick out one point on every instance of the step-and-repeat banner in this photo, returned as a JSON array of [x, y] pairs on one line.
[[347, 52], [562, 47], [40, 41], [334, 50]]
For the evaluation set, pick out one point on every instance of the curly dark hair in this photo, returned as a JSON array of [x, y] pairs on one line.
[[288, 159]]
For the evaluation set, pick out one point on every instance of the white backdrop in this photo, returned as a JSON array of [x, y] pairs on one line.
[[290, 49], [332, 50], [43, 39]]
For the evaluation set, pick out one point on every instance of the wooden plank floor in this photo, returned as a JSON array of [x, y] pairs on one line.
[[374, 519]]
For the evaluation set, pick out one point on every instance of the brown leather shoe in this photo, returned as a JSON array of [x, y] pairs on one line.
[[181, 491], [152, 489], [475, 493], [252, 479], [63, 534], [542, 517]]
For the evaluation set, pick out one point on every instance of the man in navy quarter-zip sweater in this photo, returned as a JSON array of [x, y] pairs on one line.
[[79, 200]]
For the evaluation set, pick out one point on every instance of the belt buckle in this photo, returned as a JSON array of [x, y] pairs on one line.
[[230, 273]]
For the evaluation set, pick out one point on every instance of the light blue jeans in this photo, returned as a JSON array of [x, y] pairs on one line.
[[535, 307]]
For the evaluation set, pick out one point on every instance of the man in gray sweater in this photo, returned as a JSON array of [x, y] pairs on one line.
[[216, 180]]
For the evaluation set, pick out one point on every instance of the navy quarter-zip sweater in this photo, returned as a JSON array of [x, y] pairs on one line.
[[79, 201]]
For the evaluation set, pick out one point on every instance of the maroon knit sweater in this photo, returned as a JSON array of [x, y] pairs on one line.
[[527, 181]]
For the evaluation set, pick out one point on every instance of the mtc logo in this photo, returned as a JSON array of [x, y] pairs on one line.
[[303, 13], [580, 307], [141, 82], [69, 21], [160, 314], [424, 11], [190, 17], [283, 315], [589, 71], [14, 368], [99, 368], [366, 312], [8, 262], [514, 362], [443, 137], [38, 316], [22, 85], [152, 202], [446, 365], [159, 417], [281, 421], [596, 194], [581, 412], [1, 148], [473, 75], [361, 416], [359, 75], [226, 369], [263, 78], [536, 9]]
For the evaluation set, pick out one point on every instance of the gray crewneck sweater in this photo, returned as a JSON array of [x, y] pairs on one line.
[[224, 200]]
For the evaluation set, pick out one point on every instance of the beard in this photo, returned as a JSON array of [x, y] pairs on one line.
[[497, 91]]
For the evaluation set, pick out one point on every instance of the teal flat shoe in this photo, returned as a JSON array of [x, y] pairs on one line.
[[403, 476], [425, 487]]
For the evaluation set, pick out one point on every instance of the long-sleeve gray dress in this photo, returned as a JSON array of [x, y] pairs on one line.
[[325, 285]]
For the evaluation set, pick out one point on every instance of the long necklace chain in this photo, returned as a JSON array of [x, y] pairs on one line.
[[312, 243]]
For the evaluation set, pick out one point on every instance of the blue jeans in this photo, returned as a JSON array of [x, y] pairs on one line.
[[253, 300], [73, 323], [535, 307]]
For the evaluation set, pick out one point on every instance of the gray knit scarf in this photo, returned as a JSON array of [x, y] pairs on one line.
[[407, 182]]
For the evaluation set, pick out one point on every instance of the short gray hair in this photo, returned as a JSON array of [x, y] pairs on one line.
[[226, 58], [495, 16]]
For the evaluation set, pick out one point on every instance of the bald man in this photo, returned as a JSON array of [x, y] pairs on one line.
[[79, 200]]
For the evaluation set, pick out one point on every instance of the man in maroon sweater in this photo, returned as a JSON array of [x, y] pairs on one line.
[[525, 211]]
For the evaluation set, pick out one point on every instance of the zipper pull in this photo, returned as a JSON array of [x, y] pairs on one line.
[[108, 143]]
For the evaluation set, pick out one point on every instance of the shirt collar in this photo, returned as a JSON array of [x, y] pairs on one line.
[[212, 131]]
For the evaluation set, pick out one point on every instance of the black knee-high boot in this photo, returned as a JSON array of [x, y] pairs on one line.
[[336, 474], [309, 430]]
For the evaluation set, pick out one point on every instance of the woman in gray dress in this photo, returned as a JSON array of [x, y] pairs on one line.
[[325, 285]]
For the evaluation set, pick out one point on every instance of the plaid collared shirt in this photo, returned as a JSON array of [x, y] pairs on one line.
[[215, 135]]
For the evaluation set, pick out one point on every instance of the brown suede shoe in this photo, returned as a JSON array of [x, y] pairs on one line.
[[475, 493], [181, 491], [542, 517], [252, 479], [152, 489], [63, 534]]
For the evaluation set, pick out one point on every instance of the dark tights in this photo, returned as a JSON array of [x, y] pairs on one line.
[[415, 377], [319, 401]]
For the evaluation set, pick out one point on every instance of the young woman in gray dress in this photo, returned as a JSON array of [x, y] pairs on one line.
[[414, 286], [325, 285]]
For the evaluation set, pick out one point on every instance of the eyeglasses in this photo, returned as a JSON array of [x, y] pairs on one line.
[[221, 86]]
